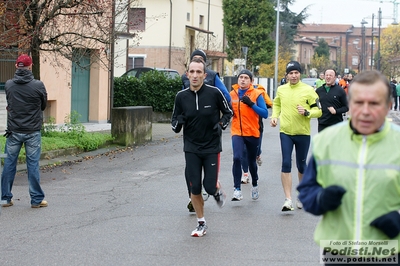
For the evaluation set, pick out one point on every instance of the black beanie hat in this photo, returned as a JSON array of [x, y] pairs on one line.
[[293, 65], [247, 72], [199, 52]]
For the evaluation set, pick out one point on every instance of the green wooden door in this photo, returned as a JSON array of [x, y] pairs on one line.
[[80, 87]]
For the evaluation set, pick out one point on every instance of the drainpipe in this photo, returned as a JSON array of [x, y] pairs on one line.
[[170, 34], [208, 25]]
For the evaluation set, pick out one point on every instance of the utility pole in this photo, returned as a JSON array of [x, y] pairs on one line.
[[372, 42], [378, 67]]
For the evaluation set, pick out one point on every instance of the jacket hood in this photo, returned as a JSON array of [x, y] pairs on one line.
[[22, 76]]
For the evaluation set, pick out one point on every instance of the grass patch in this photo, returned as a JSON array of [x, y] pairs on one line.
[[70, 135]]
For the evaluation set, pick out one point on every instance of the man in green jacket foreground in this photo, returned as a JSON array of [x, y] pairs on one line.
[[354, 182]]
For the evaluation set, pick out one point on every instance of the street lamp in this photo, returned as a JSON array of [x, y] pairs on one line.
[[363, 22], [372, 41], [278, 8], [347, 49], [378, 65], [245, 49]]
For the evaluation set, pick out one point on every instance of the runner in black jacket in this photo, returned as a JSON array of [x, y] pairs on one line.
[[198, 110], [333, 101]]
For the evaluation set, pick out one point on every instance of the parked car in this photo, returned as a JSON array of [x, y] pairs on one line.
[[137, 72], [309, 81]]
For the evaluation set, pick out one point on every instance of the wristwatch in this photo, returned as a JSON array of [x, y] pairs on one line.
[[306, 113]]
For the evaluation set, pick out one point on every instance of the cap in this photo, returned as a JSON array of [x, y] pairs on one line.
[[246, 72], [293, 65], [24, 60], [200, 53]]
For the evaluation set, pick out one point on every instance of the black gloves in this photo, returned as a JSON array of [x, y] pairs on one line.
[[181, 119], [246, 100], [218, 129], [389, 223], [330, 198]]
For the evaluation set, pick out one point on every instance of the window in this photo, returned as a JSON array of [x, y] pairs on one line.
[[188, 16], [354, 60], [201, 20], [135, 61], [137, 19]]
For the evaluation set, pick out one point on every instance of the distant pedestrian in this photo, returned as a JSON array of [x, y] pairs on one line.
[[198, 110], [295, 104], [284, 80], [393, 85], [398, 95], [333, 101], [212, 77], [26, 101], [320, 81], [344, 83]]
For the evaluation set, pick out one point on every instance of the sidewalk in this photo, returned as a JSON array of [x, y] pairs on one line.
[[160, 132]]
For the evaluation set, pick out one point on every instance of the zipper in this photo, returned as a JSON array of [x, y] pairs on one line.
[[360, 184]]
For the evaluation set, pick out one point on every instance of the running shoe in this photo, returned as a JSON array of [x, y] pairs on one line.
[[237, 195], [204, 194], [259, 161], [220, 197], [287, 206], [190, 206], [245, 178], [254, 193], [200, 229], [299, 205]]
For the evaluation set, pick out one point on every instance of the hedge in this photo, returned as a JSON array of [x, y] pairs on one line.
[[152, 89]]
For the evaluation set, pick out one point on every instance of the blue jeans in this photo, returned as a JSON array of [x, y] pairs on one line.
[[32, 144]]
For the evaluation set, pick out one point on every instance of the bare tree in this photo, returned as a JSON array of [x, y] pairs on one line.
[[67, 28]]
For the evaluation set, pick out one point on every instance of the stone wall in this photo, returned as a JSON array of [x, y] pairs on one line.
[[131, 125]]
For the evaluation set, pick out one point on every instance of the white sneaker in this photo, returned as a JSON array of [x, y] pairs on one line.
[[254, 193], [287, 206], [204, 194], [245, 178], [299, 205], [237, 195], [200, 229]]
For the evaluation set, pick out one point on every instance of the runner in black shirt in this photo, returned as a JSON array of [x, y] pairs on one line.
[[198, 110]]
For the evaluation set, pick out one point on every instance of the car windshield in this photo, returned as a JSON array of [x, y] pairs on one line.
[[172, 75], [132, 73], [309, 81]]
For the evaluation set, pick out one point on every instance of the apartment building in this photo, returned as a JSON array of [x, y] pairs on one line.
[[169, 31], [355, 47]]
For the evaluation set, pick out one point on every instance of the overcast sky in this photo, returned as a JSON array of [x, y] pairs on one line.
[[346, 11]]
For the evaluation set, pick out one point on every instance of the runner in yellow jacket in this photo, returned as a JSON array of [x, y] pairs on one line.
[[295, 104]]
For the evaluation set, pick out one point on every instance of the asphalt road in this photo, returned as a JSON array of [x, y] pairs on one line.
[[128, 207]]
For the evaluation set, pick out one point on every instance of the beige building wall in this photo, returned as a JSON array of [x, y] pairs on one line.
[[57, 79], [167, 43]]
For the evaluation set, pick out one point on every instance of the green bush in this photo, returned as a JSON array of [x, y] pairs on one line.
[[152, 89]]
